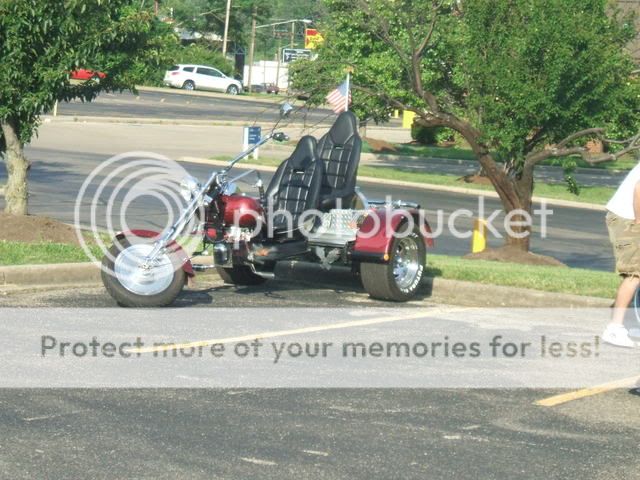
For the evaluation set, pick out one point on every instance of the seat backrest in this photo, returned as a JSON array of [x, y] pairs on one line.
[[339, 149], [295, 187]]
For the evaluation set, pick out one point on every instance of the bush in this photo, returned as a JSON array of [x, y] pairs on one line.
[[431, 135]]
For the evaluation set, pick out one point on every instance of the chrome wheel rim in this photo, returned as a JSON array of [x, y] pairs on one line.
[[406, 263], [133, 275], [188, 86]]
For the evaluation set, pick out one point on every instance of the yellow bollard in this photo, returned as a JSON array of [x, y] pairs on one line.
[[407, 118], [395, 114], [479, 237]]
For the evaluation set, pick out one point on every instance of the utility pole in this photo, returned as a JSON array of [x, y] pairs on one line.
[[226, 29], [293, 34], [253, 42], [278, 65]]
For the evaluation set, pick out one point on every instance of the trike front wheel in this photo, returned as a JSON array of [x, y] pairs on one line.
[[131, 283]]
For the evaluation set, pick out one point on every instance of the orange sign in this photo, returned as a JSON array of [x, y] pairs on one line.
[[312, 38]]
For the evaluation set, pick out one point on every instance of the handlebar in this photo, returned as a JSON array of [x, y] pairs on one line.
[[172, 233]]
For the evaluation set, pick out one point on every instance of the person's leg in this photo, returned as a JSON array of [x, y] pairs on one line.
[[626, 290], [626, 250]]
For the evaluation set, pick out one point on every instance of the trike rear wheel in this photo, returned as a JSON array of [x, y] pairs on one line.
[[399, 279]]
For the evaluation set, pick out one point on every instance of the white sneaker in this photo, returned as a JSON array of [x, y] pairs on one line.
[[617, 335]]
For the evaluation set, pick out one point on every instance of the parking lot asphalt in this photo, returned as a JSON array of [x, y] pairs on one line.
[[314, 434], [237, 433], [170, 105], [305, 433]]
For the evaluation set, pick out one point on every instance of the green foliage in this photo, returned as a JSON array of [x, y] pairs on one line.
[[150, 65], [209, 15], [166, 51], [354, 37], [431, 135], [42, 41], [524, 73], [538, 70], [203, 54]]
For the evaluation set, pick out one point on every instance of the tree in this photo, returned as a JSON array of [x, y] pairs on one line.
[[209, 15], [41, 42], [521, 80]]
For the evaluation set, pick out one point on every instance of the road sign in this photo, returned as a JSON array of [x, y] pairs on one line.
[[312, 38], [291, 54], [252, 136]]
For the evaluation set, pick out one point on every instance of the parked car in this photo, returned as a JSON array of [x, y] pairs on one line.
[[255, 88], [271, 88], [263, 88], [86, 74], [201, 77]]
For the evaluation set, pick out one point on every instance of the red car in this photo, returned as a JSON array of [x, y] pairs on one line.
[[84, 74], [271, 88]]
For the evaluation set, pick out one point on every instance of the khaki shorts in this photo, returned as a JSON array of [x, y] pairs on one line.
[[625, 238]]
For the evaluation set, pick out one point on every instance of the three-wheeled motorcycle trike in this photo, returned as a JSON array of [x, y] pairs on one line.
[[311, 211]]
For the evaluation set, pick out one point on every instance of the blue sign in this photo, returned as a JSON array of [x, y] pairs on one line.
[[254, 135]]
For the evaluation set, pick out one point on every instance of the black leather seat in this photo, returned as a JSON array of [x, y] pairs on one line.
[[339, 149], [295, 187]]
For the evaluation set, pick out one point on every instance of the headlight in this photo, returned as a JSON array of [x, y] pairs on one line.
[[189, 186], [230, 189]]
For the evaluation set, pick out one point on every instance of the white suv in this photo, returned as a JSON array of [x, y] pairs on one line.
[[201, 77]]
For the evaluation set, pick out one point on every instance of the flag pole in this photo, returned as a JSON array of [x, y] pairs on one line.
[[346, 98]]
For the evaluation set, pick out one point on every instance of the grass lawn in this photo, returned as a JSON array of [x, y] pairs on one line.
[[598, 195], [457, 153], [424, 151], [18, 253], [549, 279]]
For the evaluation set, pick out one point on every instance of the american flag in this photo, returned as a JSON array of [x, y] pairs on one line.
[[336, 98]]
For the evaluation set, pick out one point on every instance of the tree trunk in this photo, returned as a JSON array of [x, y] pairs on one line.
[[15, 192], [515, 198], [515, 194]]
